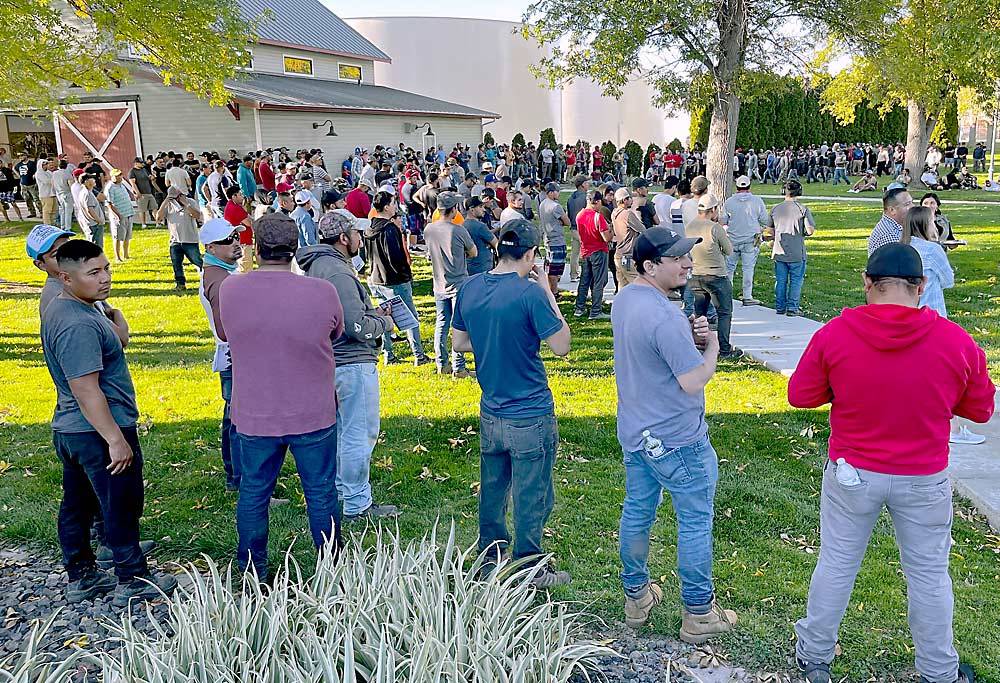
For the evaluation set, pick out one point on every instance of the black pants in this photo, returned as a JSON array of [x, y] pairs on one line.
[[89, 489], [718, 290]]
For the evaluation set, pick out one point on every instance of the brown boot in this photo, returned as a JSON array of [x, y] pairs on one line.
[[699, 628], [637, 609]]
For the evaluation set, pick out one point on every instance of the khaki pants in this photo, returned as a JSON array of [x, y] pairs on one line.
[[625, 275], [50, 210], [245, 264]]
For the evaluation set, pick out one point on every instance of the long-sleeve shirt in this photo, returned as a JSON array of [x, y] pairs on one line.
[[938, 272]]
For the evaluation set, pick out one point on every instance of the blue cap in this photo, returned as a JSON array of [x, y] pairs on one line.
[[41, 238], [491, 178]]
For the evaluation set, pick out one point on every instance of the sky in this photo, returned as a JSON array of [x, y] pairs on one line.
[[508, 10]]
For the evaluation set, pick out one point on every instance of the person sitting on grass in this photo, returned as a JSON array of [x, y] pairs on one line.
[[967, 180], [930, 180], [952, 181], [883, 454], [904, 178], [867, 183]]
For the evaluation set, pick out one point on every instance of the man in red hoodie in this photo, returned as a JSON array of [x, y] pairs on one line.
[[889, 448]]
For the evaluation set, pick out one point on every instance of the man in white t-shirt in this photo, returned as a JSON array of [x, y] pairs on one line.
[[46, 190], [662, 200], [547, 157], [177, 176], [689, 210]]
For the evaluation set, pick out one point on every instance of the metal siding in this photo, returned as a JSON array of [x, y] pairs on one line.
[[294, 130], [173, 119], [270, 59]]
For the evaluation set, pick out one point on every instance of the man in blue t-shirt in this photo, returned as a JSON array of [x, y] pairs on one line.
[[502, 316]]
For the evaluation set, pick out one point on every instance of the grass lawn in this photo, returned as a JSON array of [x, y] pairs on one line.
[[771, 455]]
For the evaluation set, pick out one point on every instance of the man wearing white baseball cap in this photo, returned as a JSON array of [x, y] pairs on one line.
[[302, 215], [222, 254], [745, 217]]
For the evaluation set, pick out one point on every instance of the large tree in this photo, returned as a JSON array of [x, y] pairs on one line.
[[918, 54], [51, 45], [692, 51]]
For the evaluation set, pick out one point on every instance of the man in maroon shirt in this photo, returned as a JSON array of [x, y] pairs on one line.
[[240, 219], [358, 201]]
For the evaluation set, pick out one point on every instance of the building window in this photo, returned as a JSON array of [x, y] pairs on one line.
[[298, 66], [249, 64], [348, 72]]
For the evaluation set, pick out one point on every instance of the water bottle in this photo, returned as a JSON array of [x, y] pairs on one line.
[[652, 446], [846, 474]]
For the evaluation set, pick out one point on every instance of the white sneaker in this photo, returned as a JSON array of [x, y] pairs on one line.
[[965, 437]]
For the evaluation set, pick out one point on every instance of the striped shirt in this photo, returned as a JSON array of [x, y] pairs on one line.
[[886, 231]]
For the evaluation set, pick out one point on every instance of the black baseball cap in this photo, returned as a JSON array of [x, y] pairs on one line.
[[671, 181], [331, 197], [656, 242], [519, 233], [640, 182], [895, 260]]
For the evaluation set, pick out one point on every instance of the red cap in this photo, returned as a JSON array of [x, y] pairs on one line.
[[284, 187], [78, 172]]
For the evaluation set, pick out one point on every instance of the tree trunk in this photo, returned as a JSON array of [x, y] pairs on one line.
[[722, 140], [919, 126]]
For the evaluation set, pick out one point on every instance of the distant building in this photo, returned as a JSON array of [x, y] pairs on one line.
[[309, 70]]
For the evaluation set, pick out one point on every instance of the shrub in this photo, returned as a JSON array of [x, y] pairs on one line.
[[384, 614]]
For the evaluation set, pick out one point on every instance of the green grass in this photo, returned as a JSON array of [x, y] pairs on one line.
[[841, 190], [767, 529]]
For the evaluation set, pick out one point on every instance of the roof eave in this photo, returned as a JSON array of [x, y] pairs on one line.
[[308, 48], [265, 106]]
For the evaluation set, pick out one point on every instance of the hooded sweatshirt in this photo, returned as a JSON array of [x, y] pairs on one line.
[[363, 327], [894, 376], [745, 215], [390, 262]]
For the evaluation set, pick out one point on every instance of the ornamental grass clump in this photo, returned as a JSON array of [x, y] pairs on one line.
[[32, 666], [386, 613]]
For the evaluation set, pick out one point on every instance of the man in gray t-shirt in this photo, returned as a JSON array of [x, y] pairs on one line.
[[576, 203], [448, 246], [663, 361], [554, 221]]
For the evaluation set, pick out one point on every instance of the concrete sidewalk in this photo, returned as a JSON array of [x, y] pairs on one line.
[[778, 342]]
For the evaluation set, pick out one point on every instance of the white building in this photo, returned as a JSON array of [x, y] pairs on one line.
[[485, 64]]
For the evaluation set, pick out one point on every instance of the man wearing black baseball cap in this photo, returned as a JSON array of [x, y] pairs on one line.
[[503, 316], [663, 360], [889, 453]]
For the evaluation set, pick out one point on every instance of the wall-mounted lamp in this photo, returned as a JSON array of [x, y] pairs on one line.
[[329, 133]]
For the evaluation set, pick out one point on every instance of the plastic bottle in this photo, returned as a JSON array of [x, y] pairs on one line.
[[652, 446], [846, 474]]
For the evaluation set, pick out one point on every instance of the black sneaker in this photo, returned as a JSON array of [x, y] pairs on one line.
[[147, 587], [393, 361], [965, 675], [423, 360], [92, 584], [374, 511], [814, 672], [106, 559]]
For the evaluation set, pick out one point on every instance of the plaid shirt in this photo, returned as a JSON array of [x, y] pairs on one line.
[[886, 232]]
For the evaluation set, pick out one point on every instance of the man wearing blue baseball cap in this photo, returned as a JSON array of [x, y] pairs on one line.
[[41, 245]]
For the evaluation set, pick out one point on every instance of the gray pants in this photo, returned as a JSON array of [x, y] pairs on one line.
[[31, 199], [593, 279], [921, 511], [744, 252]]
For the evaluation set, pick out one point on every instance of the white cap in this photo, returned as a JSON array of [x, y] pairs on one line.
[[742, 183], [302, 197], [621, 194], [707, 202], [214, 230]]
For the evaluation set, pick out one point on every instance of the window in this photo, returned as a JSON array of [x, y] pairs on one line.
[[249, 64], [348, 72], [298, 65]]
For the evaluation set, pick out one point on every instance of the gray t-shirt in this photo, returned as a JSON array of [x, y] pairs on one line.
[[791, 221], [652, 346], [446, 246], [550, 212], [53, 287], [576, 203], [78, 340]]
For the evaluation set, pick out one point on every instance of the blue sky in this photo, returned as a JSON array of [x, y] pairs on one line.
[[509, 10]]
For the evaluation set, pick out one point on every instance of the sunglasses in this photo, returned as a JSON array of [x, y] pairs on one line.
[[229, 240]]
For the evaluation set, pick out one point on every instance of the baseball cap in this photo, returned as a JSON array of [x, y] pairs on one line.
[[173, 192], [519, 233], [284, 187], [489, 192], [552, 187], [487, 166], [304, 176], [670, 182], [707, 201], [473, 202], [303, 197], [333, 224], [115, 172], [656, 242], [78, 172], [331, 197], [490, 178], [894, 260], [579, 180], [527, 182], [742, 183], [42, 237], [447, 200], [640, 182], [699, 184], [621, 194], [277, 232], [215, 230]]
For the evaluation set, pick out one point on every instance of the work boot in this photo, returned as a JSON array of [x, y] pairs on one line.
[[814, 672], [637, 609], [699, 628], [90, 585], [146, 587], [106, 558]]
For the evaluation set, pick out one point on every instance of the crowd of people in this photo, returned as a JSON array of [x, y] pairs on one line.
[[328, 264]]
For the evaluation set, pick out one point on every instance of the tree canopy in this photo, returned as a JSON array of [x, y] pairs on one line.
[[52, 45]]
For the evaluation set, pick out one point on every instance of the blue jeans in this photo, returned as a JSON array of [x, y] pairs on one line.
[[840, 174], [788, 278], [689, 474], [90, 492], [229, 444], [445, 308], [516, 456], [357, 433], [261, 458], [177, 254], [405, 291]]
